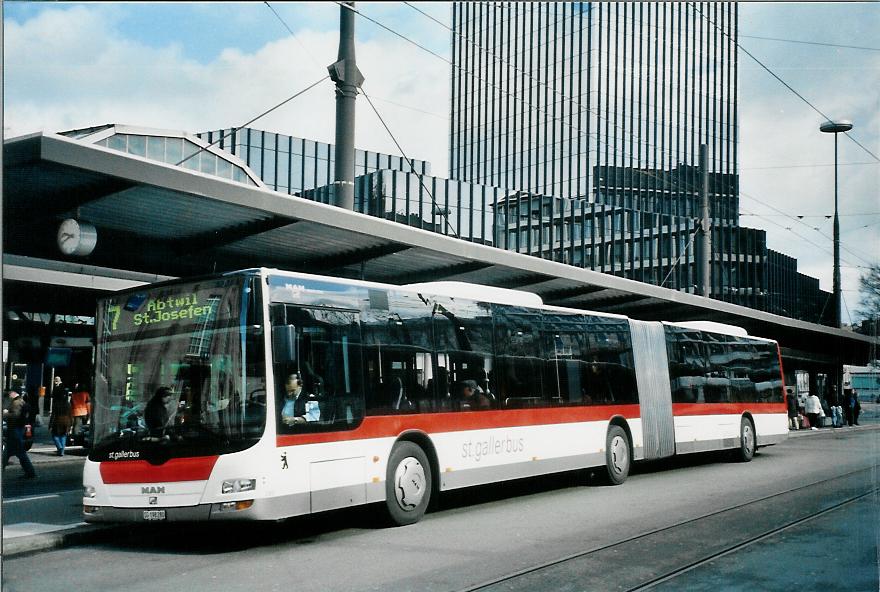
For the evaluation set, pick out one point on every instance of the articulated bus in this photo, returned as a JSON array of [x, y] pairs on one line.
[[263, 394]]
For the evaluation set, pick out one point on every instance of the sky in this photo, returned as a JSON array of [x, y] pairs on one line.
[[200, 66]]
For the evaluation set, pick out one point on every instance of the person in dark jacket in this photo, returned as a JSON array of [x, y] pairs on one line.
[[59, 424], [851, 407], [59, 392], [16, 418], [791, 398], [157, 414]]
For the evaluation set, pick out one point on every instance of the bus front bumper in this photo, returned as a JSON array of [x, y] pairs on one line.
[[199, 513]]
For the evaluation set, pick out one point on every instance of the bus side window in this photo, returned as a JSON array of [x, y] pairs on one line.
[[320, 389], [463, 344], [566, 354], [397, 356], [611, 374], [518, 357]]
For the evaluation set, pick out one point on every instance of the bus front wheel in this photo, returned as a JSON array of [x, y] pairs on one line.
[[407, 484], [617, 455], [747, 440]]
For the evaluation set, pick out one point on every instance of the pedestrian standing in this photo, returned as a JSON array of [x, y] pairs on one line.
[[80, 407], [852, 407], [791, 399], [59, 391], [813, 409], [857, 407], [59, 424], [847, 407], [16, 415]]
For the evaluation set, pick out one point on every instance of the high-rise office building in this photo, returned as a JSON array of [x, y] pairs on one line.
[[550, 97], [592, 116]]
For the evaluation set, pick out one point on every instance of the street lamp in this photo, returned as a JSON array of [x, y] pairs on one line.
[[835, 127]]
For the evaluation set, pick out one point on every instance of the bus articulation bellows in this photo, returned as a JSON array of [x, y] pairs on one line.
[[263, 394]]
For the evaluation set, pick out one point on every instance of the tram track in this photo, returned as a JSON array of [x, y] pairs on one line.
[[508, 581], [757, 539]]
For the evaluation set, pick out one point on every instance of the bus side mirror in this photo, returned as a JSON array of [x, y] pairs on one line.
[[284, 343]]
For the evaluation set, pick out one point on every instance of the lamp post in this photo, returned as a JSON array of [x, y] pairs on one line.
[[836, 127]]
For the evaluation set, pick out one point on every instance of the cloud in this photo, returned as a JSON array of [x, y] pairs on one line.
[[778, 129], [73, 67]]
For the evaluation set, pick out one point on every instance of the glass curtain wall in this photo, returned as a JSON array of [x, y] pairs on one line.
[[551, 97]]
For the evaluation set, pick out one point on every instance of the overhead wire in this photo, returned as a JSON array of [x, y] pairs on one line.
[[802, 223], [420, 46], [443, 212], [599, 116], [823, 44], [779, 78], [292, 34], [806, 166], [252, 120]]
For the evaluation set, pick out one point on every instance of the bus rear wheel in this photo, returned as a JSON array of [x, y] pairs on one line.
[[618, 457], [408, 484], [747, 441]]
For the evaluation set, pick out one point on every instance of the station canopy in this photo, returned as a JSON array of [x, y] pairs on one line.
[[157, 218]]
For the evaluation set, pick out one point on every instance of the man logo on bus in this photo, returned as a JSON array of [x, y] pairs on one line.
[[153, 489]]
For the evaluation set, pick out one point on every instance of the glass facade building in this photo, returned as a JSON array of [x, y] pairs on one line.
[[593, 113], [547, 96], [293, 165]]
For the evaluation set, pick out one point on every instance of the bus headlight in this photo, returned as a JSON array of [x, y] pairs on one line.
[[88, 491], [233, 506], [237, 485]]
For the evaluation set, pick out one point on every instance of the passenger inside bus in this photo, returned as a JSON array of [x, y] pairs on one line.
[[472, 397], [157, 414]]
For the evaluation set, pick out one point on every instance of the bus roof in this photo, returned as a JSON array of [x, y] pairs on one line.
[[465, 290]]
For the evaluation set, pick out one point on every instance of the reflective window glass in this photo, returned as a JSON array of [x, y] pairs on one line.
[[173, 150], [317, 366], [268, 175], [208, 163], [464, 345], [137, 145], [224, 168], [518, 363], [156, 148], [190, 153], [397, 354]]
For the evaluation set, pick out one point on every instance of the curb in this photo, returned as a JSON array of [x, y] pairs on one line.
[[837, 431], [90, 533]]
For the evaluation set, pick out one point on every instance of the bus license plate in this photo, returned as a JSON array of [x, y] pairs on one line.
[[154, 514]]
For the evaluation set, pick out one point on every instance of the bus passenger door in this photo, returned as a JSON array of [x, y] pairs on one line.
[[655, 396]]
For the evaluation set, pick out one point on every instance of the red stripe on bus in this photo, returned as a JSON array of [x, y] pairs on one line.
[[727, 408], [197, 468], [389, 426]]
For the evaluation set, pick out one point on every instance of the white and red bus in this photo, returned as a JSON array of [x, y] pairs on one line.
[[263, 394]]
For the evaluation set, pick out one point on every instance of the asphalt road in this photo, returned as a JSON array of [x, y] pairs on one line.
[[802, 515]]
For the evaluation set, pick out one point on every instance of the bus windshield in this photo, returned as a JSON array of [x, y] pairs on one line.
[[180, 371]]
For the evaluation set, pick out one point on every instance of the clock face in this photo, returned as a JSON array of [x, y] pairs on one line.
[[75, 238]]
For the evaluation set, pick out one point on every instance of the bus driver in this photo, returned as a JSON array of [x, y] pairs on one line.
[[299, 407]]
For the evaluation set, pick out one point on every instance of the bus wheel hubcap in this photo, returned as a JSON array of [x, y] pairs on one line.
[[409, 483], [748, 439], [619, 454]]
